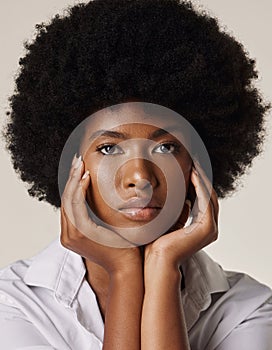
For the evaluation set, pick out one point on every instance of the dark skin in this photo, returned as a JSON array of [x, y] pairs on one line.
[[144, 281]]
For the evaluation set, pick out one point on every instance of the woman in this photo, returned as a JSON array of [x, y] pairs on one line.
[[166, 292]]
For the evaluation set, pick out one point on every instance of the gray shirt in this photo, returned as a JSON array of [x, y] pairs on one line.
[[46, 303]]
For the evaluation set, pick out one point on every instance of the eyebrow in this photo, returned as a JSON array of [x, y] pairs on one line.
[[108, 133], [160, 132], [118, 135]]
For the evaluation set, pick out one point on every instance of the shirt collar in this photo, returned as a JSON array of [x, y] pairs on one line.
[[58, 269], [63, 271]]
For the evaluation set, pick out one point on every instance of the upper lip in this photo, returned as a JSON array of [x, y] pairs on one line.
[[139, 203]]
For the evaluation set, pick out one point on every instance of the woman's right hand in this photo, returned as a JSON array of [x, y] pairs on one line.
[[80, 233]]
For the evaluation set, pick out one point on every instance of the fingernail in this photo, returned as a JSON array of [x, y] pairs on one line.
[[78, 162], [74, 159], [196, 162], [194, 170], [86, 174]]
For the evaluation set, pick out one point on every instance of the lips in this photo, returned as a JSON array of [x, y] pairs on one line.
[[136, 202], [139, 209]]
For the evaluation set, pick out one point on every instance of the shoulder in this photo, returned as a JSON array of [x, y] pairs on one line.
[[18, 279], [243, 305], [244, 315], [242, 284], [10, 277], [38, 301], [15, 271]]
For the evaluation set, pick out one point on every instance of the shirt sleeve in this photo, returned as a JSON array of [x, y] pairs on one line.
[[17, 333], [254, 333]]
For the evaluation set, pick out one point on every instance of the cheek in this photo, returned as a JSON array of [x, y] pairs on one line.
[[101, 185], [183, 179], [98, 166]]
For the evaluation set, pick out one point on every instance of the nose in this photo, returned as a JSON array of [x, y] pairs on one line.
[[139, 174]]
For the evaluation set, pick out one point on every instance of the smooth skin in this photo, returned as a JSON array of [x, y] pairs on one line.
[[138, 293]]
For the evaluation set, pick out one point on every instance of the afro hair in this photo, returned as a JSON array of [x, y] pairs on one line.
[[106, 52]]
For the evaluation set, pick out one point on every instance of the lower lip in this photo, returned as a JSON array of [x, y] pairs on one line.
[[140, 214]]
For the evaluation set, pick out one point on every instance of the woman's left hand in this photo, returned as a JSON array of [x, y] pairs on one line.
[[163, 316], [175, 247]]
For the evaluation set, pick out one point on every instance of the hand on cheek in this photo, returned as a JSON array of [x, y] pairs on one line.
[[176, 246], [82, 235]]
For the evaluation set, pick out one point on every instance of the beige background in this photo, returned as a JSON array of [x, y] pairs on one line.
[[245, 219]]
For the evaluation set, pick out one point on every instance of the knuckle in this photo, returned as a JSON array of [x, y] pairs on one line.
[[64, 240], [65, 198], [214, 235], [72, 240], [215, 194], [160, 249], [71, 236], [71, 171], [74, 175], [211, 231]]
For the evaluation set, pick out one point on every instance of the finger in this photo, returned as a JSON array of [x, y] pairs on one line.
[[74, 162], [84, 223], [80, 218], [79, 204], [203, 229], [202, 197], [202, 211], [203, 176], [63, 221], [65, 228], [96, 235], [74, 179], [210, 189], [75, 158], [70, 187], [76, 172]]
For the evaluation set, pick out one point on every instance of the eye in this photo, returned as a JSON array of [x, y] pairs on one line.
[[169, 147], [109, 149]]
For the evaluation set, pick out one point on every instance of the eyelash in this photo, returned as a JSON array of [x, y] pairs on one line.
[[174, 144], [101, 147]]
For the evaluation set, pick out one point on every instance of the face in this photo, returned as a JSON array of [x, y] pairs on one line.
[[133, 158]]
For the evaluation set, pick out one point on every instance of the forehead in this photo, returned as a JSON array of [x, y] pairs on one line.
[[136, 118]]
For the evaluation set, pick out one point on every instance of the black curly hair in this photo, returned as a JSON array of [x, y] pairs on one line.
[[110, 51]]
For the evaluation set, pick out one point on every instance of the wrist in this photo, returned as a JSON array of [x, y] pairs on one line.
[[127, 282], [160, 269], [126, 272], [129, 262]]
